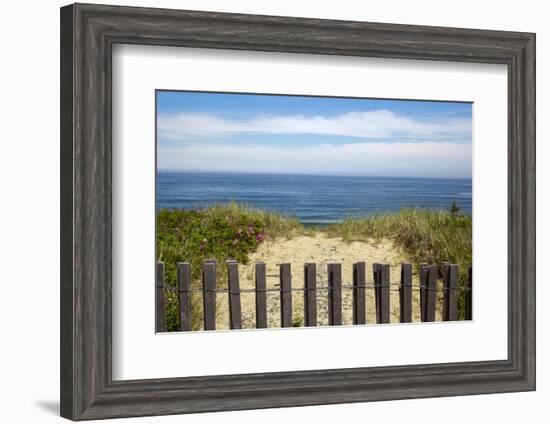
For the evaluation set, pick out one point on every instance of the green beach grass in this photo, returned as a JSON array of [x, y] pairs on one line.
[[235, 231], [427, 236]]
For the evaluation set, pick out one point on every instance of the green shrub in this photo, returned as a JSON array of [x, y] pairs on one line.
[[220, 232]]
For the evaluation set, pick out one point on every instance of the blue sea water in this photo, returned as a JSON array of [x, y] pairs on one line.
[[312, 199]]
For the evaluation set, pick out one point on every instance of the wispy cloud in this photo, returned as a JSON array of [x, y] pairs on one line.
[[375, 124], [427, 159]]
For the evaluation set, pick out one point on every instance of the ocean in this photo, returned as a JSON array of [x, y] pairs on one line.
[[313, 199]]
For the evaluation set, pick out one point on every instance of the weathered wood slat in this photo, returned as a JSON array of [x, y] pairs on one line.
[[285, 278], [450, 279], [184, 295], [405, 294], [209, 294], [235, 320], [423, 282], [310, 294], [384, 316], [376, 279], [445, 275], [431, 293], [334, 294], [359, 305], [261, 301], [160, 304]]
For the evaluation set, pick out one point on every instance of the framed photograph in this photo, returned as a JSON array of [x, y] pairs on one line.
[[280, 188], [263, 211]]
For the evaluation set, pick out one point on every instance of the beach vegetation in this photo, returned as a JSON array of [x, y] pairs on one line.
[[235, 231], [224, 232], [426, 236]]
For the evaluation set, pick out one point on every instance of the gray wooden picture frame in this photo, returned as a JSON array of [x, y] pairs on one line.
[[88, 33]]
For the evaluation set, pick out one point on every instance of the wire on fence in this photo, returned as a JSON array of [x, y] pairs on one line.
[[318, 288]]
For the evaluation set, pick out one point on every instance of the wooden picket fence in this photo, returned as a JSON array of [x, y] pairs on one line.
[[427, 285]]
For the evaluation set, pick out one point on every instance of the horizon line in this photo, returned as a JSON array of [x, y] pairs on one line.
[[179, 171]]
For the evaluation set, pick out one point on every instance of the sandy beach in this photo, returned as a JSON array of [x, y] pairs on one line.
[[322, 250]]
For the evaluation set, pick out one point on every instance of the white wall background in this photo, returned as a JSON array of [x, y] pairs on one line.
[[29, 217]]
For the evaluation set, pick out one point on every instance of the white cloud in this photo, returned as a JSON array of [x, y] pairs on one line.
[[427, 159], [378, 124]]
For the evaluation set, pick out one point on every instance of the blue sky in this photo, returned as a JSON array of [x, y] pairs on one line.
[[198, 131]]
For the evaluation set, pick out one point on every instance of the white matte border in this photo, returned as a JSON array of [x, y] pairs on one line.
[[139, 353]]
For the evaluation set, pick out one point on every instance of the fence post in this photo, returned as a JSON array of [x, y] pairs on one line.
[[184, 295], [310, 295], [431, 293], [423, 283], [261, 301], [160, 306], [405, 294], [359, 282], [334, 294], [445, 273], [384, 294], [235, 322], [450, 279], [209, 294], [286, 295], [376, 278], [381, 273], [468, 295]]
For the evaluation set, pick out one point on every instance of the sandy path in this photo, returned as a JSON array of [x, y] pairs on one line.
[[322, 250]]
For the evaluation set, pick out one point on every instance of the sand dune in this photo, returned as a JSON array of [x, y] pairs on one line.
[[322, 250]]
